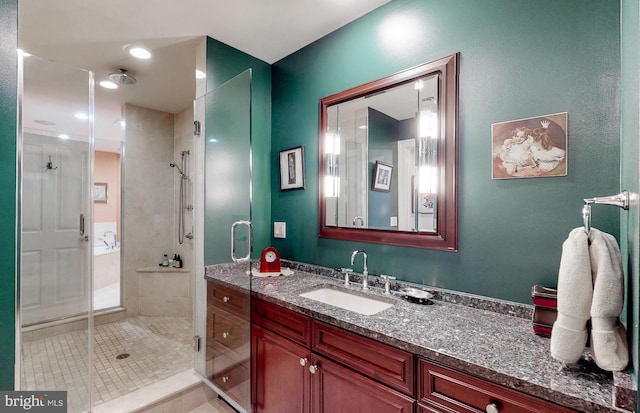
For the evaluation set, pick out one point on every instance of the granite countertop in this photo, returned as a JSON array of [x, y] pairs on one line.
[[484, 337]]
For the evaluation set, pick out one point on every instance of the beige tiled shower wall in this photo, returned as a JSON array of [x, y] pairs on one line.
[[153, 140]]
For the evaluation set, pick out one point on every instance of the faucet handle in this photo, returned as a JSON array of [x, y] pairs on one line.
[[387, 281], [346, 272]]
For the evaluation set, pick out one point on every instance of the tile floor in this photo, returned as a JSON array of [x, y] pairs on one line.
[[158, 347]]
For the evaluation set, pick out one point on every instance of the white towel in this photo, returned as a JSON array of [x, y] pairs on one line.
[[608, 337], [575, 291]]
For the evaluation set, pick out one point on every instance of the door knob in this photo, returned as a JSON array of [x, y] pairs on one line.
[[314, 368], [303, 361]]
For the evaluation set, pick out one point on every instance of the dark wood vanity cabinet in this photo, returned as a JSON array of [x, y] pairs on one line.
[[443, 390], [228, 344], [301, 366], [335, 388], [281, 379]]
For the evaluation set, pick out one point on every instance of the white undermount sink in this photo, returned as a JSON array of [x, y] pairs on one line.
[[347, 300]]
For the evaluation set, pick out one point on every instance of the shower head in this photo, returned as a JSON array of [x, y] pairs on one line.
[[173, 165], [122, 78]]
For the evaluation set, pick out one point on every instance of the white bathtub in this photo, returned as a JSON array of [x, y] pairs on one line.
[[103, 249], [106, 266]]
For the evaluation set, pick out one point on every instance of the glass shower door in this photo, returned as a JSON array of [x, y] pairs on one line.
[[55, 268], [225, 345]]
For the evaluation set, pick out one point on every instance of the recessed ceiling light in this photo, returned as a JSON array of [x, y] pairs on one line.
[[200, 74], [107, 84], [140, 53], [81, 116], [44, 122], [63, 136]]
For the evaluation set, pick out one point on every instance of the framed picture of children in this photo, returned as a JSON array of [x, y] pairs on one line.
[[530, 148]]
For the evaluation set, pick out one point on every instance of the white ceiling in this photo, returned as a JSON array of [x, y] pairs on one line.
[[92, 35]]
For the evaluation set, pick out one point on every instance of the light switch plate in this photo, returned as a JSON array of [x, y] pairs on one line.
[[393, 222], [280, 230]]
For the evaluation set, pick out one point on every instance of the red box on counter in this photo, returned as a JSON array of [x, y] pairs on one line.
[[545, 311]]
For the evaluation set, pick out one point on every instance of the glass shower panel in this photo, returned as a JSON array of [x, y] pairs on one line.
[[224, 359], [227, 168], [55, 276]]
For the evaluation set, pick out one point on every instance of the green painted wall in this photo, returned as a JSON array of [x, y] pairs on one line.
[[382, 137], [518, 59], [224, 63], [227, 171], [8, 116], [630, 221]]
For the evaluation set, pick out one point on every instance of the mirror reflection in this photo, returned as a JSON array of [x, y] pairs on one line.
[[381, 158], [387, 159]]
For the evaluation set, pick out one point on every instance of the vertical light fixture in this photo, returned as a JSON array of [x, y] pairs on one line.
[[331, 153]]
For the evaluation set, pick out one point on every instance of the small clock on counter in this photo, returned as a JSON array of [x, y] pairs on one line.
[[270, 260]]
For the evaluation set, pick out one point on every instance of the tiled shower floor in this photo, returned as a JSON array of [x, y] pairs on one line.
[[158, 347]]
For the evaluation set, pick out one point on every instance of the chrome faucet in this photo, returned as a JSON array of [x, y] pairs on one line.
[[109, 244], [365, 272]]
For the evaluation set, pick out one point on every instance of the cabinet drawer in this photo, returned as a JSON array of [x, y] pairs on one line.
[[228, 299], [451, 391], [294, 326], [233, 379], [229, 332], [381, 362]]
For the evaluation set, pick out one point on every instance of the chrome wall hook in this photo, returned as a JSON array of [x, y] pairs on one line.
[[49, 165]]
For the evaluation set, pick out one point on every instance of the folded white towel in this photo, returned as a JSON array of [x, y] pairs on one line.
[[575, 291], [608, 337]]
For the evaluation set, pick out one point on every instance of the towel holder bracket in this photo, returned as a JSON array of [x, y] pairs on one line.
[[620, 200]]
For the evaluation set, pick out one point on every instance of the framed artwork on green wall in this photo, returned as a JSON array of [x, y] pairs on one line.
[[382, 177], [530, 148], [292, 168]]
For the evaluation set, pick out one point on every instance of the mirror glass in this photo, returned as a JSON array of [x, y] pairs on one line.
[[387, 159]]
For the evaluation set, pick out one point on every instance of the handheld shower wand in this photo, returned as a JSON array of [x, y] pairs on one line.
[[173, 165]]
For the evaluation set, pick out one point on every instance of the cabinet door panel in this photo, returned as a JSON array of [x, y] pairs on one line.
[[281, 384], [336, 389]]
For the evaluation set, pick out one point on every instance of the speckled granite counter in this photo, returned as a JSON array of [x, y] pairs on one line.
[[488, 338]]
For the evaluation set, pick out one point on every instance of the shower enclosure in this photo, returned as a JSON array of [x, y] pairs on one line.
[[225, 162], [55, 156], [65, 344]]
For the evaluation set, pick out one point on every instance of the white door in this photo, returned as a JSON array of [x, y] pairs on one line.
[[55, 250]]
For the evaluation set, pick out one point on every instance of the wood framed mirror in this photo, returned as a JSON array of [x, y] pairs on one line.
[[387, 159]]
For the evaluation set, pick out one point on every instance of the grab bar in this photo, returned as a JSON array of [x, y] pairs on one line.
[[233, 241]]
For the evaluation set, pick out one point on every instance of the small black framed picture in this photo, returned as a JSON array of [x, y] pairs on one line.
[[292, 168], [382, 177]]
